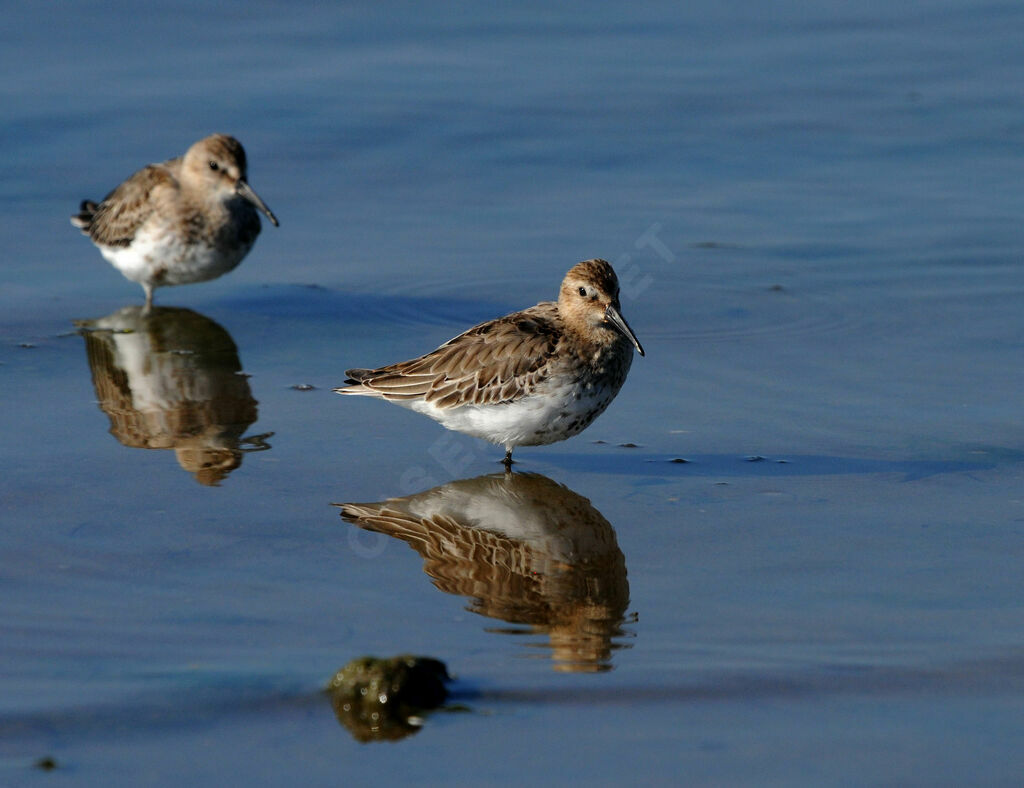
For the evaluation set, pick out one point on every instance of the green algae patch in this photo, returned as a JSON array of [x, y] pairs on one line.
[[384, 699]]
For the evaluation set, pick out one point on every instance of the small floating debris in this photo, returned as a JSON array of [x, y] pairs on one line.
[[599, 441], [28, 345], [756, 458], [679, 460], [629, 446], [303, 387], [47, 763], [777, 288], [384, 699]]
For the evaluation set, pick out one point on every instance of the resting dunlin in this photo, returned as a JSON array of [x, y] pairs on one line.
[[527, 379], [186, 220]]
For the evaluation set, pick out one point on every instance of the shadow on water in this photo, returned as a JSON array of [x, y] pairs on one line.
[[207, 700], [171, 379], [317, 303], [670, 466], [998, 674], [525, 550]]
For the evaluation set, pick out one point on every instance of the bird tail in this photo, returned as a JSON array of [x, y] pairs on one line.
[[357, 375], [83, 219], [353, 379]]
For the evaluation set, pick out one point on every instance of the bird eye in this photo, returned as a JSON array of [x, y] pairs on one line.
[[214, 166], [583, 292]]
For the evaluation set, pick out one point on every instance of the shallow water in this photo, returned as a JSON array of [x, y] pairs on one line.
[[788, 552]]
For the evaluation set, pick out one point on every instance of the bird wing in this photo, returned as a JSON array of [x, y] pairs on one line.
[[494, 362], [115, 220]]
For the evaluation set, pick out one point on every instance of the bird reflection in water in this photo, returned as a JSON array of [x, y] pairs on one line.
[[171, 379], [526, 550]]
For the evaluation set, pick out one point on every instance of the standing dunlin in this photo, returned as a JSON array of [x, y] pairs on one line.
[[527, 379], [186, 220]]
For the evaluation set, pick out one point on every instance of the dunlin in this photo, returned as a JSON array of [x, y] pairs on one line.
[[186, 220], [527, 379]]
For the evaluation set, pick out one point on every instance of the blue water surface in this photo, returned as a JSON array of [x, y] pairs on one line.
[[790, 550]]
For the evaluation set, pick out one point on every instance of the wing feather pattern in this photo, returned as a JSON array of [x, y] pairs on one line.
[[493, 362], [116, 219]]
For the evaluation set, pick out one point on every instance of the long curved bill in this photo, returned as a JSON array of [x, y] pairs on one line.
[[613, 316], [244, 190]]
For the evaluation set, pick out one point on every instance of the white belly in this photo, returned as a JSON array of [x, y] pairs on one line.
[[163, 258], [535, 420]]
